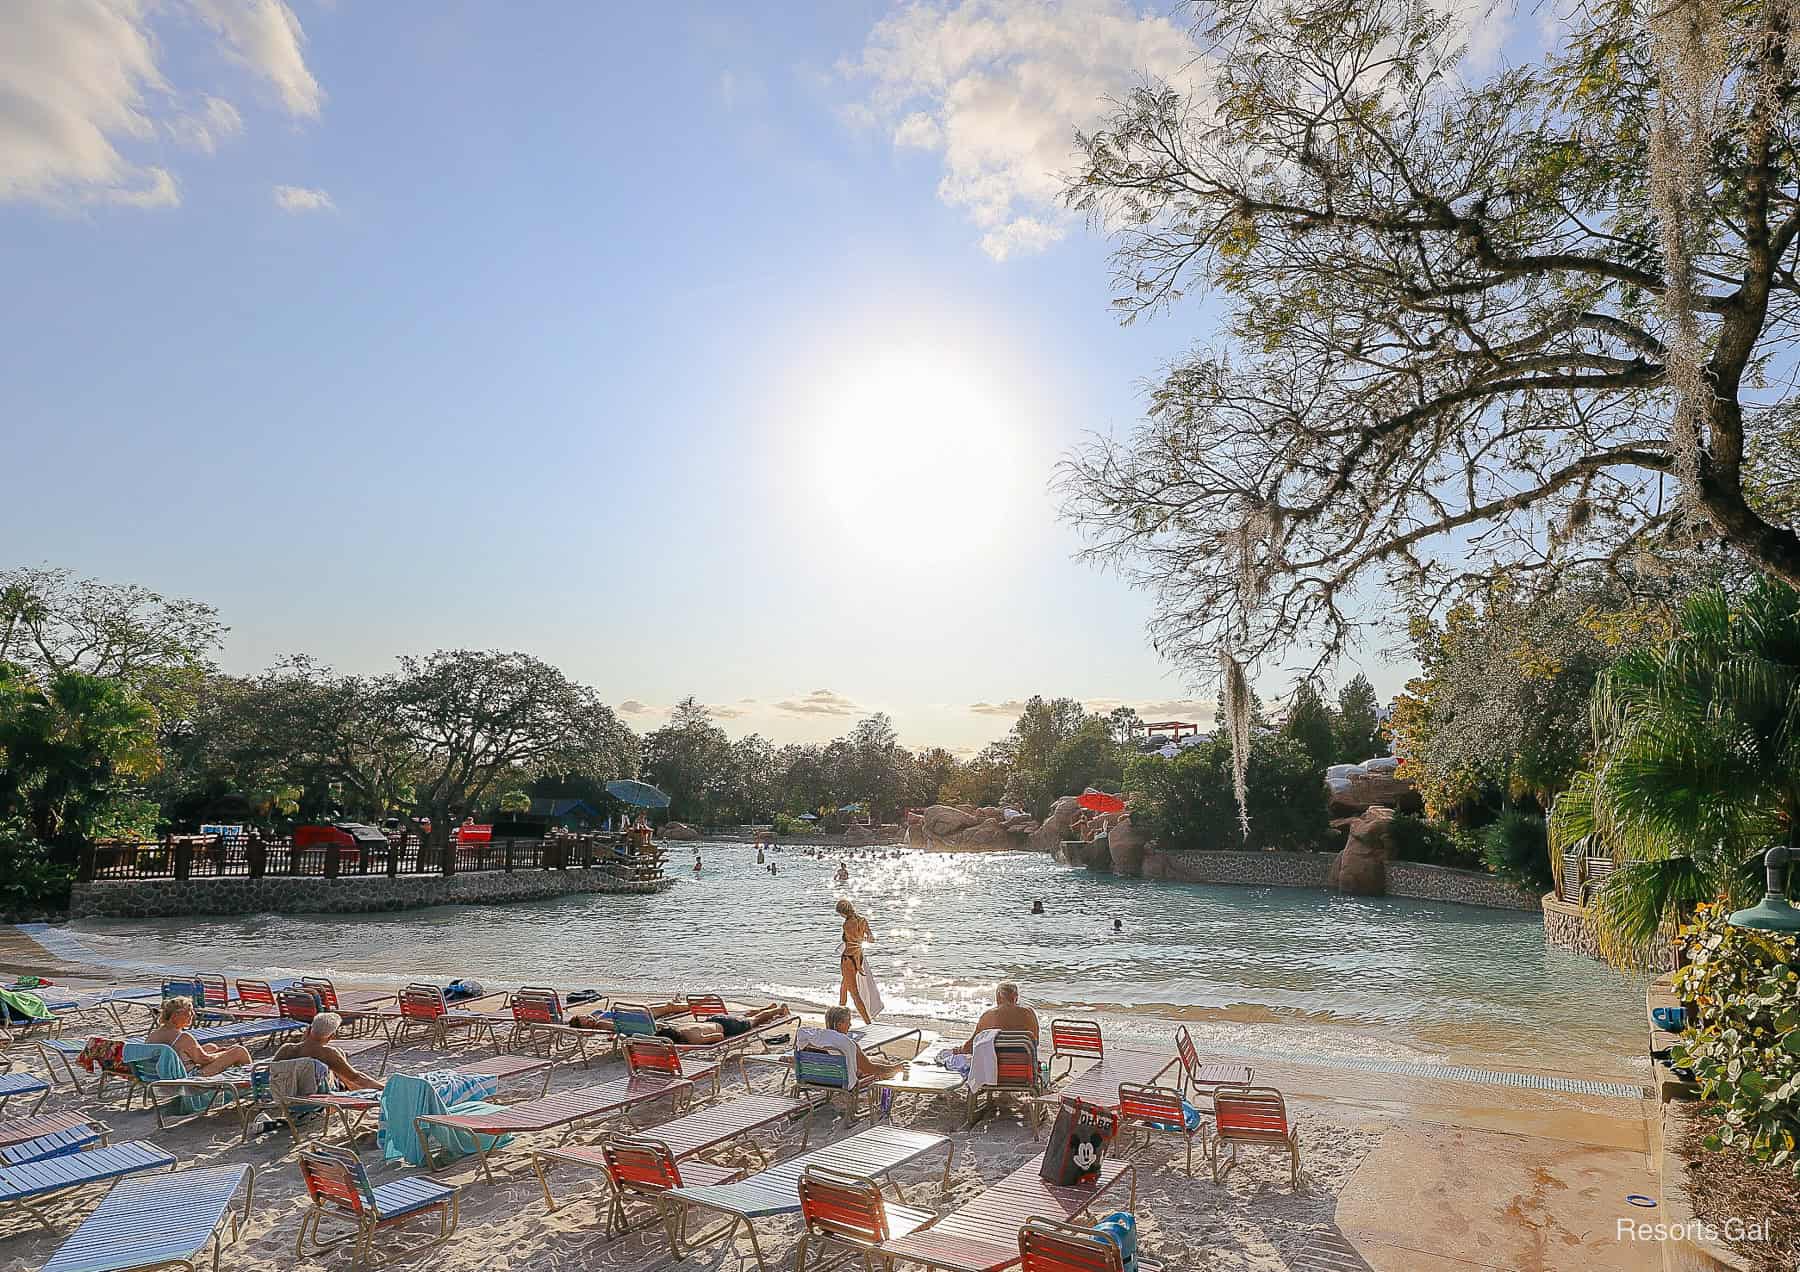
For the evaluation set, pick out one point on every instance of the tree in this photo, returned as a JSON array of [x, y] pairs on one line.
[[1188, 801], [1089, 757], [933, 770], [1516, 324], [53, 622], [1698, 764], [515, 802], [755, 778], [1358, 721], [474, 715], [983, 781], [1126, 727], [690, 759], [1310, 724], [71, 746]]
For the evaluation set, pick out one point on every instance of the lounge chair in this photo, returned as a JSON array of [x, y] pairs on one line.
[[23, 1085], [566, 1111], [657, 1057], [1256, 1116], [1048, 1246], [827, 1074], [1075, 1039], [341, 1192], [354, 1107], [539, 1023], [1157, 1110], [1016, 1073], [684, 1139], [78, 1126], [850, 1212], [178, 1097], [31, 1184], [75, 1139], [1200, 1080], [423, 1011], [873, 1154], [1121, 1066], [645, 1170], [979, 1235], [164, 1221]]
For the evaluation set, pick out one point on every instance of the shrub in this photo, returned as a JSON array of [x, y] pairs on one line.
[[1433, 843], [29, 879], [1516, 846], [1743, 1043], [1187, 801], [785, 825]]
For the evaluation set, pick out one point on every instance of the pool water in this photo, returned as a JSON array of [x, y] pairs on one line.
[[1251, 970]]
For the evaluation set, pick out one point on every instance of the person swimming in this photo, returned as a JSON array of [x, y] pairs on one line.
[[1037, 907]]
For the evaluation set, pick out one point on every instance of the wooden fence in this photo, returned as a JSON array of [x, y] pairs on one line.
[[252, 856]]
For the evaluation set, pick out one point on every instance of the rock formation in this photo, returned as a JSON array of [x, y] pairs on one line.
[[1125, 845], [676, 830], [1057, 826], [1353, 789], [1361, 868]]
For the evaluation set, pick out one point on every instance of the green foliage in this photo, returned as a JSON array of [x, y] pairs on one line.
[[1187, 801], [1311, 724], [29, 879], [1698, 768], [786, 825], [1744, 1044], [1358, 722], [1516, 846], [1434, 843], [515, 802]]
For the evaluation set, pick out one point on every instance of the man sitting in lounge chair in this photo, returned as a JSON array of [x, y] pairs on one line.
[[1007, 1014], [837, 1021], [202, 1059], [317, 1046]]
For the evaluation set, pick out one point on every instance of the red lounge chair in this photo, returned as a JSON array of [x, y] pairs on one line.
[[1048, 1246], [1071, 1039], [1151, 1110], [424, 1011], [843, 1210], [657, 1057], [340, 1190], [1016, 1073], [539, 1022], [700, 1006], [1256, 1116], [645, 1170], [256, 998], [1198, 1080]]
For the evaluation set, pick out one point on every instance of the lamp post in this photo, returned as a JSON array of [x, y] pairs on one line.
[[1774, 913]]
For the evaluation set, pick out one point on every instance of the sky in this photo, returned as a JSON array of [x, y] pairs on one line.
[[695, 349]]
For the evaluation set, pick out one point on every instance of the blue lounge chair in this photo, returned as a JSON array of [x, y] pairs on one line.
[[340, 1190], [26, 1187], [165, 1222], [12, 1084], [175, 1092], [71, 1139]]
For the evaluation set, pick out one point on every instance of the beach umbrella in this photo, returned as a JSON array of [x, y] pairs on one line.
[[638, 794], [1101, 802], [807, 817]]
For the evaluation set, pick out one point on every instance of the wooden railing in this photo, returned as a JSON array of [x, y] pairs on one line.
[[252, 856]]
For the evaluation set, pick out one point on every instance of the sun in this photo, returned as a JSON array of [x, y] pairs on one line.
[[917, 453]]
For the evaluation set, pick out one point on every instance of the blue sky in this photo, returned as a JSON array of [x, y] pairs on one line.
[[694, 350]]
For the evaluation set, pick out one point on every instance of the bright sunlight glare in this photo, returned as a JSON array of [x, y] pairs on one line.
[[918, 453]]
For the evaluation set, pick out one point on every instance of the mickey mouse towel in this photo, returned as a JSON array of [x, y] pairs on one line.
[[1078, 1143]]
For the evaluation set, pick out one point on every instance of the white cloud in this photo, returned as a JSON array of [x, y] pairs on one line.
[[265, 36], [83, 93], [820, 702], [302, 199], [631, 706], [1009, 708], [1000, 87]]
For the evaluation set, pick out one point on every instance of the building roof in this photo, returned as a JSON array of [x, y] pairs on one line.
[[541, 807]]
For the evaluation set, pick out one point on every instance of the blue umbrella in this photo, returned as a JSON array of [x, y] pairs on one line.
[[808, 817], [638, 794]]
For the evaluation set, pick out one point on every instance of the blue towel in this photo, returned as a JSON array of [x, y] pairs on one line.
[[1120, 1230], [1190, 1118], [440, 1091]]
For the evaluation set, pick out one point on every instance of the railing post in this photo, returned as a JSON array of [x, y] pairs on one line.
[[84, 864], [393, 858], [447, 861], [293, 856], [506, 855], [256, 857], [184, 859], [333, 861]]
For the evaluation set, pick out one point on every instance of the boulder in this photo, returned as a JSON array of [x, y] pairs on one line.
[[941, 821], [1125, 845], [1355, 794], [1055, 828], [677, 830], [1361, 867], [1026, 826]]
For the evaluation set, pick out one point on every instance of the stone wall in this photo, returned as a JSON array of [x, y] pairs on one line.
[[284, 894], [1567, 927], [1308, 870], [1467, 887]]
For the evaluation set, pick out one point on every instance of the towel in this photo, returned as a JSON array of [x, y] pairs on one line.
[[439, 1091], [984, 1069], [20, 1007], [870, 991], [297, 1079], [809, 1039]]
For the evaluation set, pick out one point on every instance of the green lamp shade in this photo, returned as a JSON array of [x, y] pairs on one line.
[[1771, 914]]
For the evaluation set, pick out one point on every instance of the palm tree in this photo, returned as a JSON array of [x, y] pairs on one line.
[[1697, 767]]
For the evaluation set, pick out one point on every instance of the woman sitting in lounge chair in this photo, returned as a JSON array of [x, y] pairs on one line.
[[202, 1059]]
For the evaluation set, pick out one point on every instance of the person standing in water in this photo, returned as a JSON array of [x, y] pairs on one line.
[[696, 863], [856, 935]]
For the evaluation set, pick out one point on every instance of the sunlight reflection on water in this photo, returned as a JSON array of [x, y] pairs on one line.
[[1239, 963]]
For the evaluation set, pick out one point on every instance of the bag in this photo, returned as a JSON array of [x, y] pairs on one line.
[[1078, 1143], [577, 997], [694, 1032], [732, 1025], [461, 991], [1120, 1230]]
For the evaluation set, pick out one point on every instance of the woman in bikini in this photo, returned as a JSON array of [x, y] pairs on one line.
[[173, 1022], [857, 934]]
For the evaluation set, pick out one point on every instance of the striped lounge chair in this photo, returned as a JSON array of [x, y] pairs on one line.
[[160, 1221], [340, 1191], [29, 1185]]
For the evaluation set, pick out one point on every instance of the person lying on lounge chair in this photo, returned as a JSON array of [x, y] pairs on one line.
[[317, 1046], [1007, 1013], [202, 1059]]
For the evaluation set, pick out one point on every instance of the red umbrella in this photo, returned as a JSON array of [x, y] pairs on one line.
[[1101, 802]]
